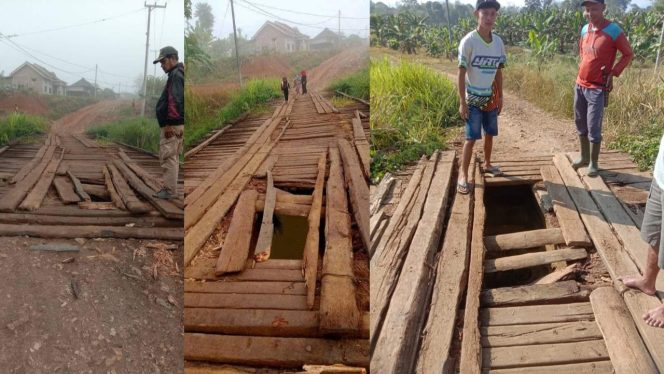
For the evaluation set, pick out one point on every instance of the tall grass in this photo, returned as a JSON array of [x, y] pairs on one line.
[[59, 106], [413, 112], [139, 132], [202, 115], [18, 125], [356, 84]]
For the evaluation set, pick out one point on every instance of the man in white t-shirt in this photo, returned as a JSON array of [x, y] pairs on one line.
[[481, 58], [651, 232]]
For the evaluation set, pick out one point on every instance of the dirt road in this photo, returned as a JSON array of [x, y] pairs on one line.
[[337, 67]]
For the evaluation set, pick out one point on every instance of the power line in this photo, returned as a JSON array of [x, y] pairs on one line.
[[305, 13]]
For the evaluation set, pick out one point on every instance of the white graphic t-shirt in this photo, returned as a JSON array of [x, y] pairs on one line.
[[481, 60], [658, 173]]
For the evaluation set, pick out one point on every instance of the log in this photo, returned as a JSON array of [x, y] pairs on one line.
[[524, 239], [65, 190], [35, 198], [105, 218], [594, 367], [78, 187], [244, 301], [544, 354], [72, 232], [264, 243], [274, 352], [395, 349], [94, 205], [358, 190], [97, 191], [126, 194], [536, 314], [14, 196], [540, 333], [247, 287], [30, 166], [149, 180], [566, 212], [331, 369], [311, 246], [236, 247], [338, 309], [623, 342], [558, 274], [115, 197], [533, 259], [536, 294]]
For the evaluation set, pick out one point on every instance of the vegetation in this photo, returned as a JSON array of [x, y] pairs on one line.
[[19, 125], [59, 106], [356, 85], [203, 117], [414, 110], [139, 132]]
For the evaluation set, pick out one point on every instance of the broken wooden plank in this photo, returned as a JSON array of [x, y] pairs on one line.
[[358, 190], [15, 195], [126, 194], [544, 354], [35, 198], [97, 205], [623, 342], [534, 294], [78, 187], [536, 314], [540, 333], [396, 346], [523, 239], [558, 274], [533, 259], [381, 191], [247, 287], [338, 309], [311, 245], [264, 243], [563, 205], [244, 301], [149, 180], [59, 231], [99, 192], [275, 352], [27, 168], [235, 250], [115, 197]]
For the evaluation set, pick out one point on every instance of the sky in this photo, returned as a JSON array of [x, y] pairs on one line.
[[250, 15], [640, 3], [63, 37]]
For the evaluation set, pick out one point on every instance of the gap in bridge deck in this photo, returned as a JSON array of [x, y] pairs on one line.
[[290, 234], [512, 209]]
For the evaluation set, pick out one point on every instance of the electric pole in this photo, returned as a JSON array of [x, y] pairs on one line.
[[147, 44], [449, 25], [95, 81], [237, 53], [339, 36]]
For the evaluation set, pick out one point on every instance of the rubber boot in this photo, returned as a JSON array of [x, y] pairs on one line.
[[593, 168], [584, 154]]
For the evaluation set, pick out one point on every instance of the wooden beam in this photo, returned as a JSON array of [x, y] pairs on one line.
[[563, 205], [235, 250], [78, 187], [35, 198], [544, 354], [126, 194], [338, 308], [358, 190], [244, 301], [523, 239], [15, 195], [558, 274], [149, 180], [30, 166], [311, 245], [536, 314], [247, 287], [533, 259], [115, 197], [381, 191], [594, 367], [264, 243], [55, 231], [65, 190], [540, 333], [536, 294], [625, 347]]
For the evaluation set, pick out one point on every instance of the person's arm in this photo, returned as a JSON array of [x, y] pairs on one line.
[[463, 106], [626, 57], [499, 88]]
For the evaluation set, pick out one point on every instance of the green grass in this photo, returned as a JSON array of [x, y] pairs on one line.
[[59, 106], [139, 132], [202, 117], [356, 85], [19, 125], [414, 111]]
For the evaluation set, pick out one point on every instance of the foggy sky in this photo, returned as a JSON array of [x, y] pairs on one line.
[[519, 3], [116, 45]]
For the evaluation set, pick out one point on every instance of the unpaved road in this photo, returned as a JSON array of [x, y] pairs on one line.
[[337, 67], [112, 306]]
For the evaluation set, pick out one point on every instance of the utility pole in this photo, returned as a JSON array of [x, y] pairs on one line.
[[449, 24], [237, 53], [659, 48], [96, 80], [339, 37], [147, 44]]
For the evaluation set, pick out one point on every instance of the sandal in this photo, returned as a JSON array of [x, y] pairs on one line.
[[494, 170], [463, 188]]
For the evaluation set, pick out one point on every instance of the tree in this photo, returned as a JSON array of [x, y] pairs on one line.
[[617, 7], [532, 5]]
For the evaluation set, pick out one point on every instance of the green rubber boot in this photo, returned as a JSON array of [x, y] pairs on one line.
[[593, 168], [584, 158]]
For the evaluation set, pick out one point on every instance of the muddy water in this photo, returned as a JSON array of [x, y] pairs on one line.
[[289, 237]]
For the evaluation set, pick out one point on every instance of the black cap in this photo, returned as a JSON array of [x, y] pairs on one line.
[[586, 2], [165, 52], [481, 4]]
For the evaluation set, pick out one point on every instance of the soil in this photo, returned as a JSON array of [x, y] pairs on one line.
[[34, 105], [339, 66], [89, 116]]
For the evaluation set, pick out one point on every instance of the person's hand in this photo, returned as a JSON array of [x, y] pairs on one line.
[[168, 132], [463, 110], [500, 105], [609, 83]]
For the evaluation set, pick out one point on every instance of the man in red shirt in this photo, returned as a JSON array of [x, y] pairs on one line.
[[600, 40]]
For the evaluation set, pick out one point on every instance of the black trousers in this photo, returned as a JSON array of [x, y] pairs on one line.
[[304, 86], [286, 95]]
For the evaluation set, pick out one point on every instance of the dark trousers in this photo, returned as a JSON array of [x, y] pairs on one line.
[[304, 86], [286, 95]]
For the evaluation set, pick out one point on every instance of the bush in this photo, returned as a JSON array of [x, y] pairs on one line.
[[19, 125], [139, 132], [356, 85]]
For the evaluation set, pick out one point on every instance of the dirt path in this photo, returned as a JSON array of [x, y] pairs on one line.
[[337, 67]]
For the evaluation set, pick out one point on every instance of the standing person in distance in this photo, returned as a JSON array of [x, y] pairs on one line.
[[284, 87]]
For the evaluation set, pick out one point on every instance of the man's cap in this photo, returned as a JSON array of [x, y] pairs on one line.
[[481, 4], [165, 52], [589, 2]]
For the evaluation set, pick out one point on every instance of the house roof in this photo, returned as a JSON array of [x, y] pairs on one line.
[[83, 84], [43, 72], [326, 33], [283, 28]]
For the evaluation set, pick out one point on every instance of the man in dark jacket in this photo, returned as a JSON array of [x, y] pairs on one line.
[[170, 115]]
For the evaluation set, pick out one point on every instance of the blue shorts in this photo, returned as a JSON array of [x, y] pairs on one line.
[[478, 120]]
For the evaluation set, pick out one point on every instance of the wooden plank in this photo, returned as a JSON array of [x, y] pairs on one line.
[[533, 259], [247, 287], [558, 274], [514, 180], [97, 191], [102, 205], [563, 205], [523, 239], [14, 196], [396, 347], [30, 166], [107, 219], [311, 245], [379, 194], [35, 198], [540, 333], [78, 187], [279, 275], [264, 243], [115, 197], [536, 314], [624, 345], [236, 247], [535, 294], [358, 190], [594, 367], [338, 308], [126, 194], [450, 284], [244, 301], [545, 354], [260, 322], [149, 180], [59, 231], [471, 350], [274, 352]]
